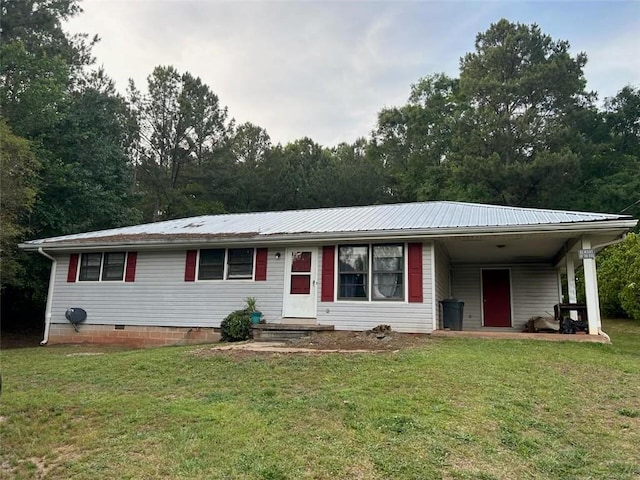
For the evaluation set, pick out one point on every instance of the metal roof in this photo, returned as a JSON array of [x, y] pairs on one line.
[[406, 217]]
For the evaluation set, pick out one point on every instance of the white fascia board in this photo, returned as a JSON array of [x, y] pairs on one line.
[[301, 238]]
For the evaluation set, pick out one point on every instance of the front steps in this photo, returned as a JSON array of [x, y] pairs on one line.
[[282, 332]]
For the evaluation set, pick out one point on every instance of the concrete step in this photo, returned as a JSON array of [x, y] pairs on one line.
[[281, 332]]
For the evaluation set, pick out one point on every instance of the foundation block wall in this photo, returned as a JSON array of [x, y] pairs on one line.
[[137, 336]]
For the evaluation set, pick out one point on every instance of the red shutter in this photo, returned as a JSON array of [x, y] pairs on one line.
[[328, 258], [73, 268], [130, 270], [261, 264], [415, 272], [190, 267]]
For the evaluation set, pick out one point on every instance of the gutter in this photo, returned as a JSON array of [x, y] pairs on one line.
[[621, 238], [47, 312]]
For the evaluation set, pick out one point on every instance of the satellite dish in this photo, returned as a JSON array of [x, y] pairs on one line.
[[75, 316]]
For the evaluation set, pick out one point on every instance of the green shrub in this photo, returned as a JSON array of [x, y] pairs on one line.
[[619, 278], [236, 327]]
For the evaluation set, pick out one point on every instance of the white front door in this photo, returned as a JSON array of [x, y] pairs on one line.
[[300, 283]]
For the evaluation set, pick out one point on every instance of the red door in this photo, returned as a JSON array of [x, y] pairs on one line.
[[496, 298]]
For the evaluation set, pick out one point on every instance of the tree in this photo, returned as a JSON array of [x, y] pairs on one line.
[[77, 131], [619, 278], [87, 177], [504, 132], [250, 148], [39, 62], [33, 89], [517, 144], [18, 171], [184, 135], [301, 175], [358, 176], [37, 24], [414, 143]]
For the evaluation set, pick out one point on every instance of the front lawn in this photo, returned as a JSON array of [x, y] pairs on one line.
[[454, 409]]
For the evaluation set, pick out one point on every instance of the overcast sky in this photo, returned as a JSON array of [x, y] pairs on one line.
[[324, 69]]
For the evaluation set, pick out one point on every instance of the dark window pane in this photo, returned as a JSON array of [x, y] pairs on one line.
[[211, 265], [240, 263], [113, 268], [353, 285], [90, 267]]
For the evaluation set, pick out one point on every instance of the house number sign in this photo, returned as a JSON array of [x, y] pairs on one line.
[[587, 253]]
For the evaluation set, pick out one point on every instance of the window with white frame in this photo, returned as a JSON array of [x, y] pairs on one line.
[[373, 272], [102, 266], [211, 265], [239, 263], [230, 264]]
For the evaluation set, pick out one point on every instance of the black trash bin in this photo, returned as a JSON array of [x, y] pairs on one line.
[[452, 311]]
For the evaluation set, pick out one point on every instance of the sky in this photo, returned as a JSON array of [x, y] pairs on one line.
[[324, 69]]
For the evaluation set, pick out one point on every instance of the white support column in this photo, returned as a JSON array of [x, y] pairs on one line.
[[571, 284], [591, 289], [559, 279]]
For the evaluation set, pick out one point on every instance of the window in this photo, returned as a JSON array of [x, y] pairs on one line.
[[113, 268], [211, 265], [90, 267], [240, 263], [232, 264], [98, 266], [388, 272], [379, 276], [353, 265]]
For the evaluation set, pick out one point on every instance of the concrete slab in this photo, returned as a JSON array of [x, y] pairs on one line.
[[550, 337]]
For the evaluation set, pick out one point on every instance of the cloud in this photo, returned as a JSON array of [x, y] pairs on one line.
[[614, 63], [316, 69]]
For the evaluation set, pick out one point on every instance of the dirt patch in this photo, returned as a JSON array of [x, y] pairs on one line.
[[361, 341], [39, 468], [320, 343]]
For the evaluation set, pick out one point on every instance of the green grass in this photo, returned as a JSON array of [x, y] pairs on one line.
[[455, 409]]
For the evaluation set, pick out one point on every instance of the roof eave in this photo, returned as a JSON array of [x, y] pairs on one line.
[[306, 237]]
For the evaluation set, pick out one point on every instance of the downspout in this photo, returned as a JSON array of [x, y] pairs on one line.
[[47, 312]]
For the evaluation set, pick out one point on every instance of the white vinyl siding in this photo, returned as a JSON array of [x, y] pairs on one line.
[[401, 316], [534, 291], [160, 296], [443, 280]]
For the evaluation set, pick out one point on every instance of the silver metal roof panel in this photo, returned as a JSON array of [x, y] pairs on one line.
[[375, 218]]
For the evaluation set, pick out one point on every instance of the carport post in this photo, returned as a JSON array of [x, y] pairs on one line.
[[571, 284], [591, 289]]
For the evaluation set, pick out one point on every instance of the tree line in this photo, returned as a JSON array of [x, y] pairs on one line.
[[515, 127]]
